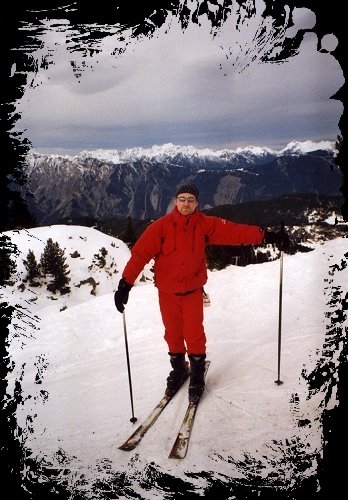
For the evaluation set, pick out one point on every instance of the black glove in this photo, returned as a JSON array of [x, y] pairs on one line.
[[280, 238], [121, 295]]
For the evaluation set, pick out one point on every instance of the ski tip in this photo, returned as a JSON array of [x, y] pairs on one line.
[[176, 455], [127, 447], [178, 450], [193, 401]]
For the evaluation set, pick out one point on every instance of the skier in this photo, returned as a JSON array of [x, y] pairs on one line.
[[177, 244]]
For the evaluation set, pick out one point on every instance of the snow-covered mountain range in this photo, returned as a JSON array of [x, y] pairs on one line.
[[168, 153], [141, 182]]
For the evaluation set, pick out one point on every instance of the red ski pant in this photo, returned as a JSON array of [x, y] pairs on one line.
[[182, 316]]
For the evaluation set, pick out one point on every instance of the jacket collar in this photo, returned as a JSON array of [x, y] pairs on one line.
[[178, 218]]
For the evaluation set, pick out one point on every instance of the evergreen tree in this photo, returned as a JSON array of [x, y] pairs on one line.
[[48, 257], [7, 263], [61, 275], [128, 234], [32, 267], [53, 262]]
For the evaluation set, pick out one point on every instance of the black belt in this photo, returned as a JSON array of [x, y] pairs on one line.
[[182, 294]]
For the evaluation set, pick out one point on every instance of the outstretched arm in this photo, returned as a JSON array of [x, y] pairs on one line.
[[224, 232]]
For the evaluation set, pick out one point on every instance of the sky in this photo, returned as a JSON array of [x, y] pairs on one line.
[[182, 87], [69, 353]]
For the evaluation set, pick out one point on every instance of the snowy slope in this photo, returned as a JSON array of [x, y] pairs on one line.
[[74, 361], [81, 246]]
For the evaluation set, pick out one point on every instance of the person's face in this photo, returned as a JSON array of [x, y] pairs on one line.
[[186, 203]]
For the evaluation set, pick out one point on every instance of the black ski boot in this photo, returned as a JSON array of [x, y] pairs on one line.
[[179, 373], [197, 384]]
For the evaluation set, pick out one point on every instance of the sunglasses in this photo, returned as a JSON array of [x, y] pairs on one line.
[[182, 199]]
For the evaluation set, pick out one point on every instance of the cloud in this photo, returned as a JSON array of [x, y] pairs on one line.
[[185, 87]]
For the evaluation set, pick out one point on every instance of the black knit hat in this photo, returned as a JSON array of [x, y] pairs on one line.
[[188, 188]]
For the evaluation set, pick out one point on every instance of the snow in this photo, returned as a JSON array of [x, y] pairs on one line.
[[71, 359], [335, 218], [255, 150], [165, 152], [296, 147]]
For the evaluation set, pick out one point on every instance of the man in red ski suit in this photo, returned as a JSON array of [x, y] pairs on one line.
[[177, 244]]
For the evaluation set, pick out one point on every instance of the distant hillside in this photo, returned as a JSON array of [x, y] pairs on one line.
[[293, 210], [307, 219], [113, 226]]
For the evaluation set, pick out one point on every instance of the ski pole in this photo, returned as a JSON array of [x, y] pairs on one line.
[[278, 381], [133, 419]]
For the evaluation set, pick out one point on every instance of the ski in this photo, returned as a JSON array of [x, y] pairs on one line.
[[181, 443], [133, 440]]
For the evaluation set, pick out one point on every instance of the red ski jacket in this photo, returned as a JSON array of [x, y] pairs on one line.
[[177, 244]]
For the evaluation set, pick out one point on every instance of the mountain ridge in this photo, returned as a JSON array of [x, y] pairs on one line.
[[142, 186], [169, 150]]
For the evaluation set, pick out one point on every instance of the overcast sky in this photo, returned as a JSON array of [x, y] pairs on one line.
[[184, 87]]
